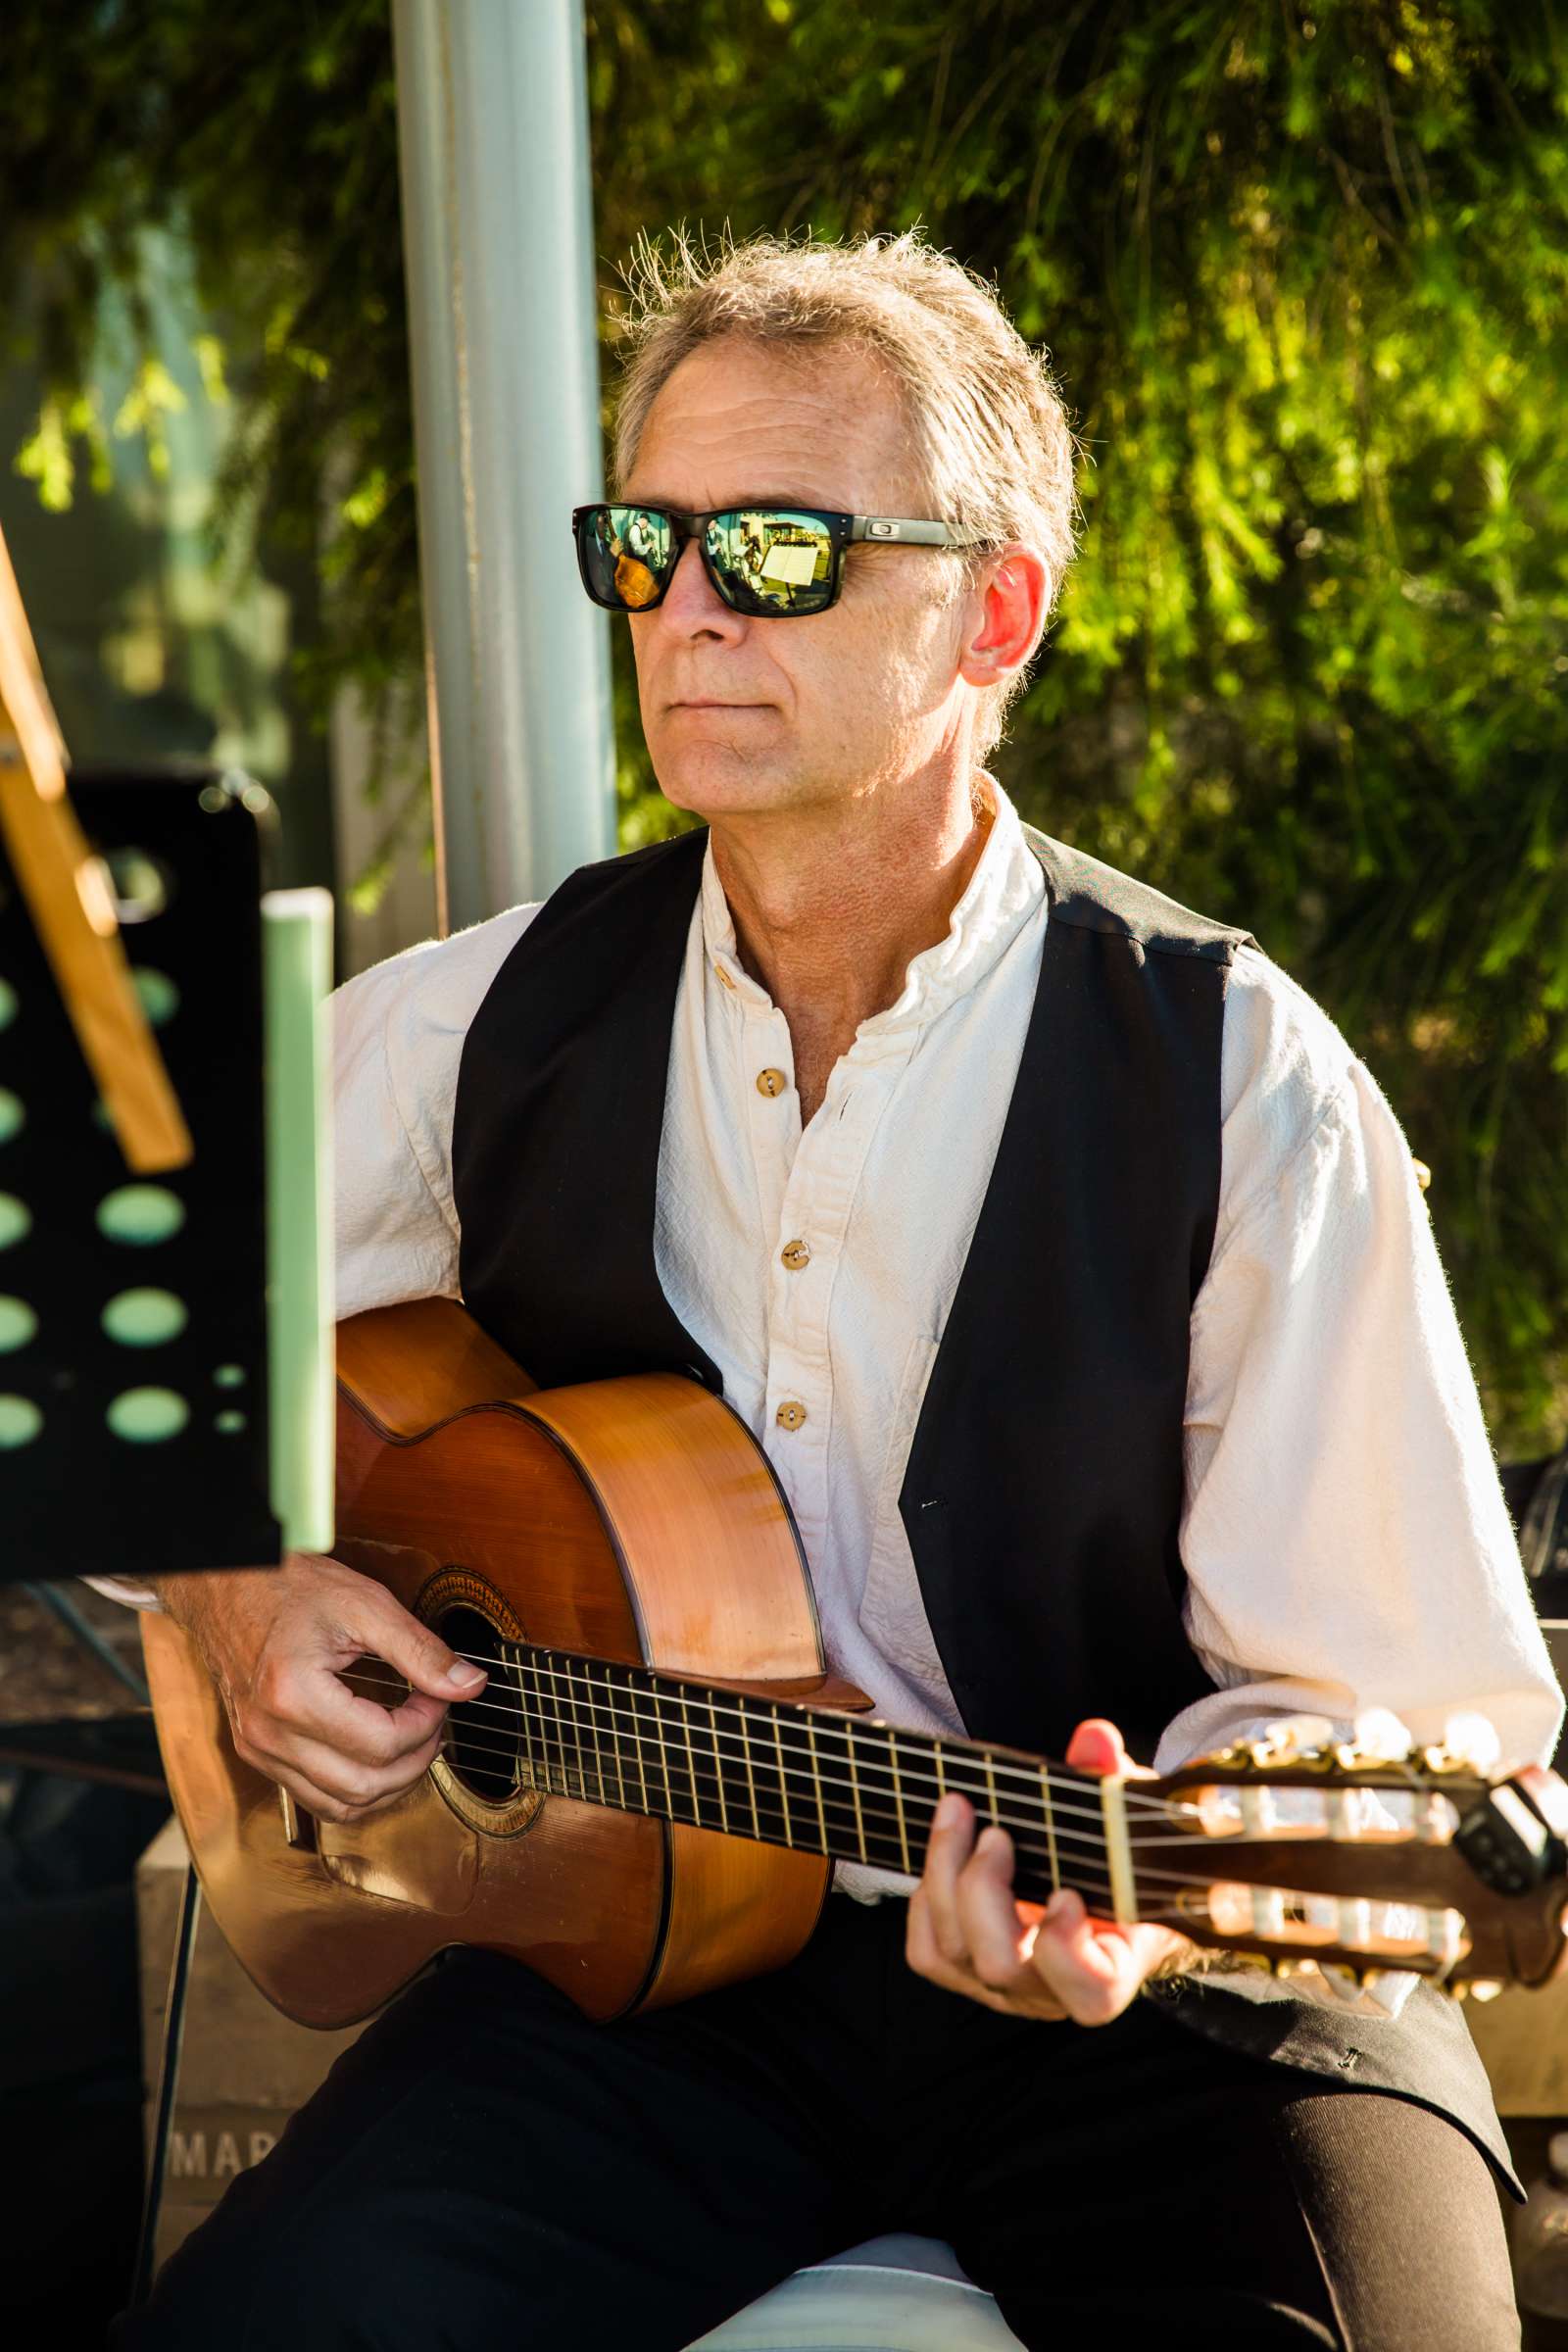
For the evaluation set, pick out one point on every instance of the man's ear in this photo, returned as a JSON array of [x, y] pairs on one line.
[[1015, 593]]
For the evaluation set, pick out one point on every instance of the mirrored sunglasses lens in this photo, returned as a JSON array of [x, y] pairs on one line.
[[773, 561], [627, 554]]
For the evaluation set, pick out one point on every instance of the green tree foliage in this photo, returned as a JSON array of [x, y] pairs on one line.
[[1303, 270]]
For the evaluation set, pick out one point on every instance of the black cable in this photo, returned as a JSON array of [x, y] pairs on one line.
[[167, 2084]]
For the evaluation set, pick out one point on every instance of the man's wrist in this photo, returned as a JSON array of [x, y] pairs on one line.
[[177, 1590]]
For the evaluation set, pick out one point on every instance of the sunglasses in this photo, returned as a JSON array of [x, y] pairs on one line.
[[774, 562]]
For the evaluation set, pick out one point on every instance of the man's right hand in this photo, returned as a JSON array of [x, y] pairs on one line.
[[277, 1640]]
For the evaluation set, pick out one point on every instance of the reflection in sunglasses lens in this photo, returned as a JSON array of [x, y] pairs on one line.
[[774, 562], [635, 585]]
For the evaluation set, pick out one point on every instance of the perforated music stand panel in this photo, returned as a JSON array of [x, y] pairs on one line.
[[133, 1419]]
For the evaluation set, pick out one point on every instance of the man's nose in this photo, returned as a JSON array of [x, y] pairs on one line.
[[692, 606]]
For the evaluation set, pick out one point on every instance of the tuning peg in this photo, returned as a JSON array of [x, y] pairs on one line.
[[1470, 1988], [1470, 1744], [1294, 1736], [1378, 1737]]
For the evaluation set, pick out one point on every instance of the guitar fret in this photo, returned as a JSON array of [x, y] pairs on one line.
[[897, 1798], [569, 1715], [576, 1732], [962, 1774], [854, 1788], [529, 1720], [718, 1767], [615, 1735], [817, 1783], [558, 1697], [511, 1661], [691, 1759], [783, 1785], [558, 1702], [837, 1788], [1051, 1830], [593, 1736], [991, 1787], [543, 1695], [602, 1724], [664, 1761], [638, 1734], [750, 1777]]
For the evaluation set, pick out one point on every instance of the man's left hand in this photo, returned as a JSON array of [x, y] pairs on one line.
[[969, 1932]]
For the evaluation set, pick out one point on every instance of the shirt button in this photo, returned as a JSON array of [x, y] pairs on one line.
[[791, 1415], [795, 1254], [771, 1082]]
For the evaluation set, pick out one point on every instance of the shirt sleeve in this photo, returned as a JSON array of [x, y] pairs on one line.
[[1344, 1533], [397, 1047], [395, 1223]]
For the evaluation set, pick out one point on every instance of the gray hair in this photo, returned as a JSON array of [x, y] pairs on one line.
[[995, 450]]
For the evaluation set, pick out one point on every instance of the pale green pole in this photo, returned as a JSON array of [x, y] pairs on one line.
[[296, 975], [497, 244]]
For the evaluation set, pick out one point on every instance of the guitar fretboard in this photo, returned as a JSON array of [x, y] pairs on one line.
[[856, 1790]]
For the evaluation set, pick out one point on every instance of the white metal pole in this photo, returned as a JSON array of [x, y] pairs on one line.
[[497, 245]]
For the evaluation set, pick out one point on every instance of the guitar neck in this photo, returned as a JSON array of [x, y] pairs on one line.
[[783, 1774]]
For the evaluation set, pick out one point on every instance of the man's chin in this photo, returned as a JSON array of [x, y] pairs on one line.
[[716, 780]]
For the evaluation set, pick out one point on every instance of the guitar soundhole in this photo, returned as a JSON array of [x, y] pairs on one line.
[[481, 1747]]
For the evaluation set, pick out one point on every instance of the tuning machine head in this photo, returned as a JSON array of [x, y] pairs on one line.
[[1294, 1739], [1300, 1737], [1469, 1744], [1377, 1736]]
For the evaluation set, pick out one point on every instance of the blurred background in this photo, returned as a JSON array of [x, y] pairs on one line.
[[1303, 270]]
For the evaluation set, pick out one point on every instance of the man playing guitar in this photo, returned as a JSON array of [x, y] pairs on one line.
[[1074, 1275]]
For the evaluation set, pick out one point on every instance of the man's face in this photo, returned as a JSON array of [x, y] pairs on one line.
[[747, 716]]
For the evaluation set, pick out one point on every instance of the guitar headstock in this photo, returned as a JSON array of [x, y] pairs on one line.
[[1364, 1855]]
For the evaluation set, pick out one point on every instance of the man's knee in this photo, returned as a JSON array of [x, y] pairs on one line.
[[1406, 2217]]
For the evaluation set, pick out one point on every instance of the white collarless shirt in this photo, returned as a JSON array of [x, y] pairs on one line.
[[1344, 1532]]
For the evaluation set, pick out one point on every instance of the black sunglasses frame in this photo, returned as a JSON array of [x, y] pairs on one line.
[[844, 532]]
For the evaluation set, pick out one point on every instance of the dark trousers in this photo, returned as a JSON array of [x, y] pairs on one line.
[[485, 2170]]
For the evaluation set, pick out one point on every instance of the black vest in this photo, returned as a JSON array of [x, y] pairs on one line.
[[1043, 1490]]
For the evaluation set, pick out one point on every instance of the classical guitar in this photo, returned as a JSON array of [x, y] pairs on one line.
[[648, 1797]]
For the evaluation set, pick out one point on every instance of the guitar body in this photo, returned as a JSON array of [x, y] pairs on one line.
[[634, 1520]]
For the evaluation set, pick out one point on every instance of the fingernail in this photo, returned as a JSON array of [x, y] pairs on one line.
[[465, 1674], [948, 1813], [1063, 1904]]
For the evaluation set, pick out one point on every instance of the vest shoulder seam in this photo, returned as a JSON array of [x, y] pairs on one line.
[[1083, 891]]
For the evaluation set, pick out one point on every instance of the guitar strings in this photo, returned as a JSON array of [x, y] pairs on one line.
[[824, 1720], [877, 1819], [764, 1751], [739, 1801], [956, 1751], [727, 1704]]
